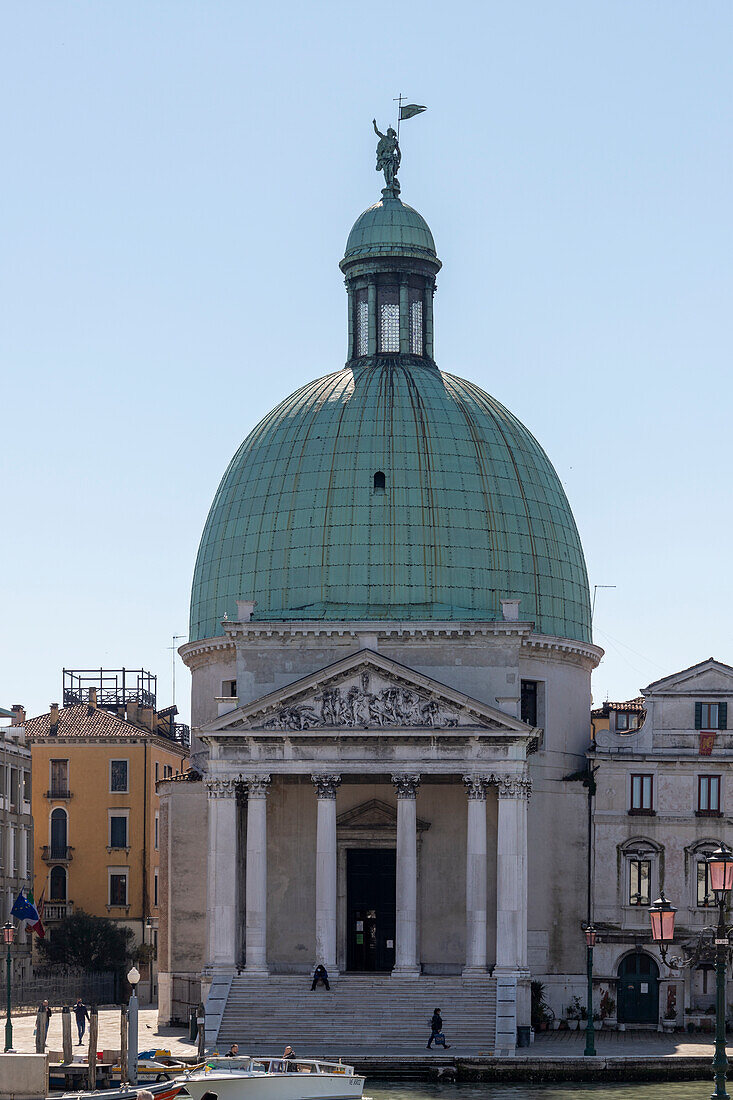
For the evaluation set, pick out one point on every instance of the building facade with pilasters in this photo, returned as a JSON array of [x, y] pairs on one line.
[[390, 649]]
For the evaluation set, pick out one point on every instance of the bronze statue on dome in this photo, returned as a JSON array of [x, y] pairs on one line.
[[388, 159]]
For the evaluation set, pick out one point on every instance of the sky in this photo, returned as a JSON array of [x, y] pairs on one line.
[[178, 182]]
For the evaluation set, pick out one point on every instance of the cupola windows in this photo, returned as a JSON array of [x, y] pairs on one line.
[[416, 322], [361, 322], [389, 319]]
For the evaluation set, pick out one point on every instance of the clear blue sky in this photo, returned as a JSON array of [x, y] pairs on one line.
[[178, 182]]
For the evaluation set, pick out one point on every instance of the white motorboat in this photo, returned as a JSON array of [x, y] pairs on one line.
[[244, 1078]]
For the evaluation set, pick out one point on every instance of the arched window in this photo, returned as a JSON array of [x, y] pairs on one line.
[[389, 318], [58, 884], [59, 838], [380, 482]]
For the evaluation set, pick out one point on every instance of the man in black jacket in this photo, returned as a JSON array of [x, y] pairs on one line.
[[320, 975], [82, 1015]]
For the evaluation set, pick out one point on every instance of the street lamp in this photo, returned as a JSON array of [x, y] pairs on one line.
[[8, 936], [133, 977], [661, 914], [590, 1031], [720, 874]]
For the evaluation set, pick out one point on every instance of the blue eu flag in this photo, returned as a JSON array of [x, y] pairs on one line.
[[23, 909]]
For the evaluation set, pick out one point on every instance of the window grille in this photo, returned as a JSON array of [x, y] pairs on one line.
[[389, 319], [362, 323], [118, 776], [416, 323]]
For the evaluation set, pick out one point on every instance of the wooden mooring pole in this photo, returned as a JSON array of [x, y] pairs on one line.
[[123, 1046], [92, 1063], [66, 1033]]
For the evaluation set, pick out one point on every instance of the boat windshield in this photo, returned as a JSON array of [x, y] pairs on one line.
[[246, 1064]]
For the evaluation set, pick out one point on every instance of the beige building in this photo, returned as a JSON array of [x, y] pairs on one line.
[[663, 803]]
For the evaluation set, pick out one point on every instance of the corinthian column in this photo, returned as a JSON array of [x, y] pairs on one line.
[[326, 786], [406, 964], [221, 905], [511, 873], [476, 875], [256, 880]]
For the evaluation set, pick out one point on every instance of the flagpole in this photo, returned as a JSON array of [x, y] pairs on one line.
[[398, 101]]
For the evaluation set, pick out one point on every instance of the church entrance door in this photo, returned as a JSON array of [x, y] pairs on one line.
[[370, 894]]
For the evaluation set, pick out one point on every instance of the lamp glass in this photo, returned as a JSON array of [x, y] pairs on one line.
[[720, 869], [590, 936], [133, 976], [8, 933], [661, 915]]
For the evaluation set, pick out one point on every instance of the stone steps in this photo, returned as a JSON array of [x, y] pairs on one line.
[[359, 1011]]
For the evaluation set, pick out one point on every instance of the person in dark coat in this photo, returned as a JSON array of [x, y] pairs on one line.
[[82, 1015], [289, 1065], [320, 974], [436, 1032]]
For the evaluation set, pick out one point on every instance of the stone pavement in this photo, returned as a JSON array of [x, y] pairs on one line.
[[173, 1039], [550, 1044]]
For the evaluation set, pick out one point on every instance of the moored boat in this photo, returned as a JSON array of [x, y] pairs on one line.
[[245, 1078]]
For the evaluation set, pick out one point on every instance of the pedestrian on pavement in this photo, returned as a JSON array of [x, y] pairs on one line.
[[436, 1032], [320, 974], [82, 1015]]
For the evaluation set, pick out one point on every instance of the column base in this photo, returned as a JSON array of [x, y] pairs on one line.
[[256, 971], [406, 972], [474, 972]]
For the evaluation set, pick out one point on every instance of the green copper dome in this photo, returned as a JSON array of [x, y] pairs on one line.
[[471, 510], [390, 228]]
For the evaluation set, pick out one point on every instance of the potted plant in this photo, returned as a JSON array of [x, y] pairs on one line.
[[583, 1021], [669, 1021], [574, 1013], [541, 1013]]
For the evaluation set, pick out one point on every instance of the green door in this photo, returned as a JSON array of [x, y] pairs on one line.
[[638, 990]]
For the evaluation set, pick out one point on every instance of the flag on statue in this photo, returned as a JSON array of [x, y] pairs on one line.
[[24, 909], [409, 110]]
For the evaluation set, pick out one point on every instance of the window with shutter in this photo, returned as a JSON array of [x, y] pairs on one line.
[[698, 716], [722, 716]]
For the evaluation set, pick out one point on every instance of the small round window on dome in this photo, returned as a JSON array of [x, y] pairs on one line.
[[380, 482]]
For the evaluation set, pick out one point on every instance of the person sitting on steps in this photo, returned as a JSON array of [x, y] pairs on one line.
[[320, 975]]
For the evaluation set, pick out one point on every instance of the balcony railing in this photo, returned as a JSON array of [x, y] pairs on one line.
[[57, 910], [59, 792], [56, 853]]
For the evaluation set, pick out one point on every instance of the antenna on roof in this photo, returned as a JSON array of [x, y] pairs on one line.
[[175, 638], [595, 589]]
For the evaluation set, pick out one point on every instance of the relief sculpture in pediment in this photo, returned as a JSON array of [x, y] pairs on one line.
[[356, 707]]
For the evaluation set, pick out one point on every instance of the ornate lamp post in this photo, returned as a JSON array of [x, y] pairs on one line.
[[590, 1031], [720, 872], [8, 936]]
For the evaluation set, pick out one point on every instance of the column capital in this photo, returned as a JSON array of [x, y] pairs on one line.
[[476, 785], [326, 785], [256, 785], [221, 788], [514, 786], [406, 785]]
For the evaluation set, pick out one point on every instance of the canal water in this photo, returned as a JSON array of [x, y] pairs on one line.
[[661, 1090]]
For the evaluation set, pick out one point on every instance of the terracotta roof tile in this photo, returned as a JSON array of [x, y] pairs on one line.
[[634, 705], [84, 721]]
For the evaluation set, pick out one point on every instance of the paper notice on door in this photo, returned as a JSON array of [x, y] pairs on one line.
[[360, 926], [390, 943], [359, 938], [644, 987]]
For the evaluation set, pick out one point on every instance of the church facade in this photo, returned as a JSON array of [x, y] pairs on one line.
[[391, 657]]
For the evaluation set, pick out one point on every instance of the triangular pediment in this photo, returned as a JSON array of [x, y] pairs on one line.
[[373, 814], [709, 677], [367, 691]]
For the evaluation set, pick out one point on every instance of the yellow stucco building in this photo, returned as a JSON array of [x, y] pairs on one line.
[[96, 811]]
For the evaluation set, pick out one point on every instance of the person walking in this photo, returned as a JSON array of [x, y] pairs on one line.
[[436, 1032], [82, 1015], [42, 1019], [320, 974]]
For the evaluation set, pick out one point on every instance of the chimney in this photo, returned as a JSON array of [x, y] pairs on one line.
[[18, 714], [510, 610], [92, 699], [147, 718], [245, 609], [54, 716], [132, 709]]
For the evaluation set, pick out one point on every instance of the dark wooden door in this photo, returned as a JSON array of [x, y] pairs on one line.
[[638, 990], [370, 893]]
